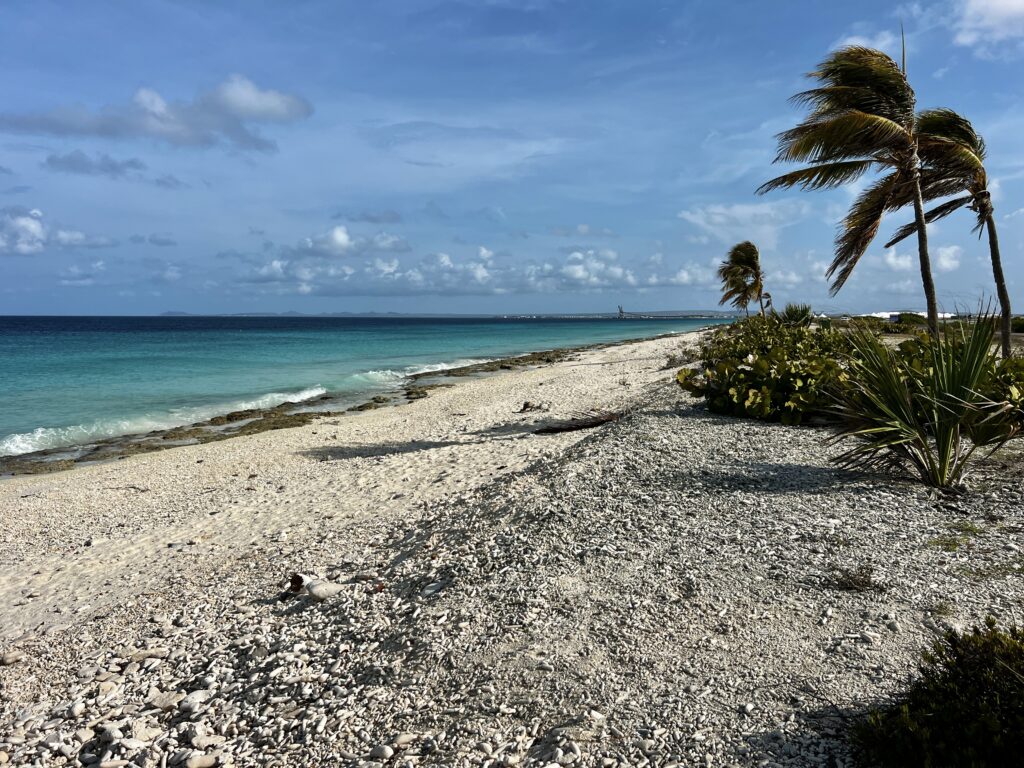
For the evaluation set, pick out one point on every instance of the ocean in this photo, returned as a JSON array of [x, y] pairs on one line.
[[70, 380]]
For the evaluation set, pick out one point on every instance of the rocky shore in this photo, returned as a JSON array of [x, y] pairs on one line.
[[670, 588]]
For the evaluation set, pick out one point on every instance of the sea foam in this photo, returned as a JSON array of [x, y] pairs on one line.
[[43, 438]]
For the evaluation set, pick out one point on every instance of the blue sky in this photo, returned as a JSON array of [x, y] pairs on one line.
[[459, 156]]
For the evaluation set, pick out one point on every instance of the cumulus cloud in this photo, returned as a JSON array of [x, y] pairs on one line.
[[80, 276], [225, 115], [883, 41], [385, 241], [485, 273], [758, 222], [898, 262], [335, 242], [23, 232], [983, 24], [102, 165], [948, 258], [338, 241]]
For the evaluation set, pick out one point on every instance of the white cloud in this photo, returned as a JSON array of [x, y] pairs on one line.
[[22, 231], [335, 242], [384, 241], [79, 276], [225, 115], [948, 258], [757, 222], [239, 96], [982, 24], [896, 261], [883, 41]]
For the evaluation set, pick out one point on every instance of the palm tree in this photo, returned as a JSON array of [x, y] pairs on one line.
[[861, 119], [954, 164], [741, 276]]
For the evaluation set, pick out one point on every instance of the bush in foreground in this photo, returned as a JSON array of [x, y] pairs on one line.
[[764, 369], [965, 709]]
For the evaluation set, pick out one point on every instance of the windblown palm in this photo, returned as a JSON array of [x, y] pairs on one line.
[[741, 276], [954, 160], [861, 119]]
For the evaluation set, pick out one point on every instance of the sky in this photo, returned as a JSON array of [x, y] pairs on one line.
[[462, 156]]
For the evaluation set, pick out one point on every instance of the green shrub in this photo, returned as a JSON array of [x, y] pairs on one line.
[[796, 314], [966, 708], [1017, 324], [926, 406], [763, 369], [911, 319]]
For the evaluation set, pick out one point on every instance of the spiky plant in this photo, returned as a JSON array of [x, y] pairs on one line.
[[921, 407], [741, 276], [954, 158], [796, 315], [861, 119]]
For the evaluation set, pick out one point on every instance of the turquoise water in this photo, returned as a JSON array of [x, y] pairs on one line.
[[68, 381]]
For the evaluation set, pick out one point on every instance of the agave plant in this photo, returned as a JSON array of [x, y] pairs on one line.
[[741, 276], [921, 407]]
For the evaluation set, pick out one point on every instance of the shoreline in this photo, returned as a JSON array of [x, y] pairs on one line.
[[671, 587], [286, 415]]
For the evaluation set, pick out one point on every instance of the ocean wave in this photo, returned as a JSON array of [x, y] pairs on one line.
[[43, 438], [439, 367]]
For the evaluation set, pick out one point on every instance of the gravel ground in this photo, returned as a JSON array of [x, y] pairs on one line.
[[674, 588]]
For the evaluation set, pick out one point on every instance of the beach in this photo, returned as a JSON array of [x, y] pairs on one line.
[[671, 587]]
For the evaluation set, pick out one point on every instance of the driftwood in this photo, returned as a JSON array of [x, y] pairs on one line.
[[583, 422]]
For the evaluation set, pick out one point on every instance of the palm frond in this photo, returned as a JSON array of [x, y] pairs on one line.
[[950, 126], [860, 227], [823, 176], [936, 213], [850, 135]]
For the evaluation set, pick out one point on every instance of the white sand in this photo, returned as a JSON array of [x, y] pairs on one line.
[[222, 502]]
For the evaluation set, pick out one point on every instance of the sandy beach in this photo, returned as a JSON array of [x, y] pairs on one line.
[[671, 588]]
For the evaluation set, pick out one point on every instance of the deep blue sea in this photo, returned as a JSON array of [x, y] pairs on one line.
[[72, 380]]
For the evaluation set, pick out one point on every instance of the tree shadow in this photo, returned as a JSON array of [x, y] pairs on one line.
[[342, 452], [770, 477], [816, 737]]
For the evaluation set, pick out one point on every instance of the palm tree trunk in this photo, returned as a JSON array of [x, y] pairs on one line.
[[922, 251], [760, 300], [1001, 292]]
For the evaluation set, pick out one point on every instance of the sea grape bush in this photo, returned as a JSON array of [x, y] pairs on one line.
[[763, 368]]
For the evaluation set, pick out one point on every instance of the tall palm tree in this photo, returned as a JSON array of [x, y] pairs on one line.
[[861, 119], [741, 276], [954, 164]]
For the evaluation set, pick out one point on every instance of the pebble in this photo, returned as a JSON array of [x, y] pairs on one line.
[[665, 573], [381, 752]]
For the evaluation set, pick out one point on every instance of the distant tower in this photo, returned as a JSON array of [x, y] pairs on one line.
[[622, 312]]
